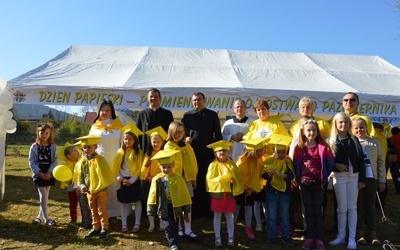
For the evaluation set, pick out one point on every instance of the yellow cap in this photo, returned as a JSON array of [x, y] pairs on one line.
[[89, 139], [220, 145], [254, 144], [157, 131], [165, 156], [281, 142], [130, 127], [61, 151]]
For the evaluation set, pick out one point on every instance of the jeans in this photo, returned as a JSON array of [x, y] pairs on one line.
[[277, 203], [313, 206], [366, 205], [171, 227]]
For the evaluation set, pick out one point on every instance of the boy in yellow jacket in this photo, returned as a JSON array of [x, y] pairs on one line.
[[168, 196], [93, 177]]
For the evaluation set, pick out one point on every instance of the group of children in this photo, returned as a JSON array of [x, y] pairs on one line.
[[165, 178]]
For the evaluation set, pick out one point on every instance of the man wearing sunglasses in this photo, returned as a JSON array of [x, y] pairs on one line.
[[350, 102]]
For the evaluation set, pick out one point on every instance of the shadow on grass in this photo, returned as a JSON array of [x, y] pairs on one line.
[[20, 231]]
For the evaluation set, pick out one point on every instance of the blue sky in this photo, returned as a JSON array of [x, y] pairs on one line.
[[33, 32]]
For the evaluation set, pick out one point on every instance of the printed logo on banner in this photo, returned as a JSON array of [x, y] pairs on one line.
[[19, 96]]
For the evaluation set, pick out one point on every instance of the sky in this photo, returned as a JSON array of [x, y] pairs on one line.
[[33, 32]]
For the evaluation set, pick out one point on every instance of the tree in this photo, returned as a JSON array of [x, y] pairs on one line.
[[70, 129]]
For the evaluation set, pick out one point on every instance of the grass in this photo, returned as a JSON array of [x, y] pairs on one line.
[[20, 206]]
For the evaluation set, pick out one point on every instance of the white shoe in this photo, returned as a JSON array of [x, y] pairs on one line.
[[352, 244], [259, 228], [337, 241]]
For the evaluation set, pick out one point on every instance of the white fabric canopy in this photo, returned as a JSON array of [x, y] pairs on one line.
[[90, 73]]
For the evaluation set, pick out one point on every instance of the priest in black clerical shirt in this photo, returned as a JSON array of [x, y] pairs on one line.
[[152, 117], [202, 128]]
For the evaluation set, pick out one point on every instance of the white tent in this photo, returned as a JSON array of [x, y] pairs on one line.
[[85, 75]]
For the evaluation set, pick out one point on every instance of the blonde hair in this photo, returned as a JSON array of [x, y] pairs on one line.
[[173, 128], [307, 100], [334, 131]]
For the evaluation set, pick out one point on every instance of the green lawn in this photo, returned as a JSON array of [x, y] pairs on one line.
[[20, 206]]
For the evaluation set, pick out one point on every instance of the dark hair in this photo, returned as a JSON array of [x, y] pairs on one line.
[[104, 103], [155, 90], [67, 151], [199, 93], [43, 127], [352, 93], [135, 146], [395, 130], [260, 102], [378, 125]]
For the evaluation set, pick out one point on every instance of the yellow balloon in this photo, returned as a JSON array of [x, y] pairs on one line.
[[62, 173]]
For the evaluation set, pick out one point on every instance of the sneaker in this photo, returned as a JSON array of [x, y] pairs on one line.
[[308, 244], [218, 242], [92, 233], [51, 222], [319, 245], [174, 247], [259, 227], [337, 241], [288, 240], [36, 221], [249, 232], [231, 242], [103, 234], [352, 244], [271, 241]]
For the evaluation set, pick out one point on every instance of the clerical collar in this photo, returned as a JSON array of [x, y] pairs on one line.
[[154, 109], [243, 120]]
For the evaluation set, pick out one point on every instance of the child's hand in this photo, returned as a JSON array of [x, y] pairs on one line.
[[42, 175], [149, 178], [283, 175], [248, 191], [186, 217], [125, 182], [48, 175], [84, 189], [272, 172], [194, 184], [232, 180]]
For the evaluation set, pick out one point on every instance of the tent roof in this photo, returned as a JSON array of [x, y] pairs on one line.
[[266, 73]]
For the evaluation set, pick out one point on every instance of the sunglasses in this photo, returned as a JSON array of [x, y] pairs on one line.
[[351, 100]]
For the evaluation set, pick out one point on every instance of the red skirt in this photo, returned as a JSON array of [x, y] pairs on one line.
[[224, 205]]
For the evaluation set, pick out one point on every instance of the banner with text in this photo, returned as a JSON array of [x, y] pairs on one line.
[[181, 100]]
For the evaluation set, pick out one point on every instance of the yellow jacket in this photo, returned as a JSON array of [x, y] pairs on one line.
[[135, 161], [185, 162], [100, 174], [178, 192], [149, 167], [280, 166], [250, 170], [219, 176], [116, 124]]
